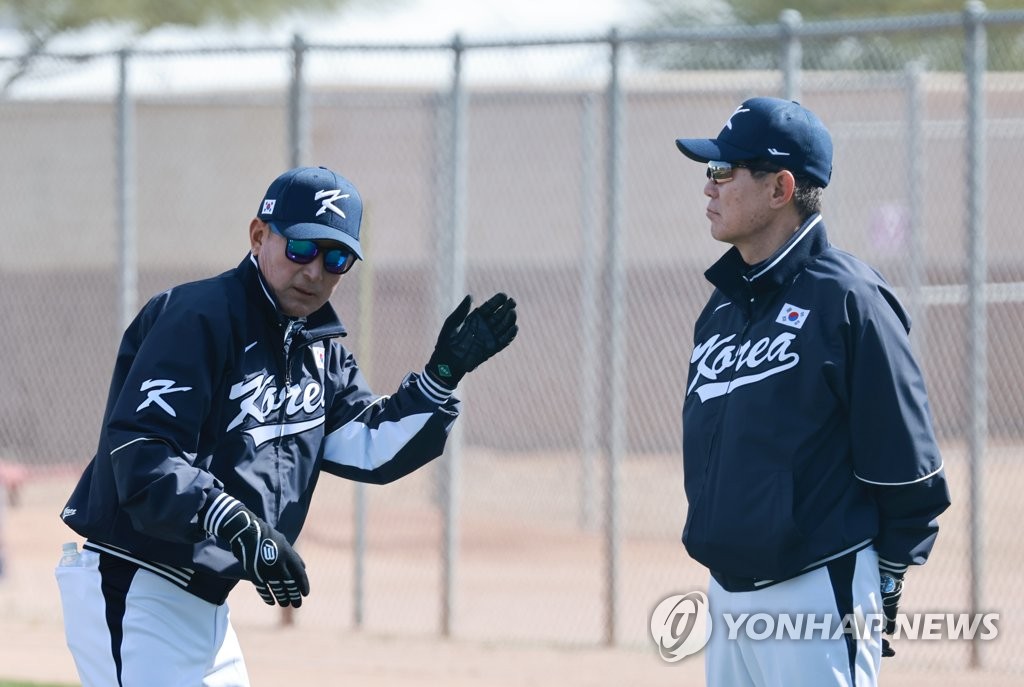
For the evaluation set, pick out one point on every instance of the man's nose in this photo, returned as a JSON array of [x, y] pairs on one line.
[[314, 268]]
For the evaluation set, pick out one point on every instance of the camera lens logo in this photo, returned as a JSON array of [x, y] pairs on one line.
[[681, 625]]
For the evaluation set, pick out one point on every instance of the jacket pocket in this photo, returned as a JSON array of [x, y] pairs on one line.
[[743, 526]]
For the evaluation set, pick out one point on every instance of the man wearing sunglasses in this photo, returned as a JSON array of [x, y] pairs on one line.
[[812, 474], [230, 397]]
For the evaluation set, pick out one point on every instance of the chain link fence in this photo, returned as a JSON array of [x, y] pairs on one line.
[[546, 169]]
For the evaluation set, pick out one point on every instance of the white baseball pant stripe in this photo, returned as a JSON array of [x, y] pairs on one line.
[[807, 658], [128, 627]]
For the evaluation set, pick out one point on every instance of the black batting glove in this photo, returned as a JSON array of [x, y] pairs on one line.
[[267, 558], [892, 590], [469, 338]]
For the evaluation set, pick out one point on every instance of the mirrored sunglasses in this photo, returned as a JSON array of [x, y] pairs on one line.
[[303, 252], [721, 172]]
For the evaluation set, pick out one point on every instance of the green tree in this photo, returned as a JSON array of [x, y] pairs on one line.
[[40, 21], [939, 50], [761, 11]]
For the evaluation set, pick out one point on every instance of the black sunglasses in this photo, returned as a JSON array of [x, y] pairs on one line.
[[303, 251]]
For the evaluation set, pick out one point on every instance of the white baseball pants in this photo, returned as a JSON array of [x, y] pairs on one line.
[[131, 628], [762, 652]]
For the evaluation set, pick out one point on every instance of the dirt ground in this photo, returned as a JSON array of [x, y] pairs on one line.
[[502, 638]]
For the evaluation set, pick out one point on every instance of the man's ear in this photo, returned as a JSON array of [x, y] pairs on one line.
[[258, 231], [783, 188]]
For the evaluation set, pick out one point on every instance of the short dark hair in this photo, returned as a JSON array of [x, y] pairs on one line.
[[807, 197], [807, 194]]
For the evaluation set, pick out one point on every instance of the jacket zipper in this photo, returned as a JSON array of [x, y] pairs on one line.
[[289, 333], [712, 450], [288, 351], [725, 400]]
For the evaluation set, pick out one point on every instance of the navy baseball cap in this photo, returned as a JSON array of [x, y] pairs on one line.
[[314, 203], [774, 130]]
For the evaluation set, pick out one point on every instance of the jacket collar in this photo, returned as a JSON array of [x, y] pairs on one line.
[[740, 281], [322, 323]]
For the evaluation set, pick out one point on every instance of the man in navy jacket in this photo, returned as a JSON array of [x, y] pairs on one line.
[[812, 474], [230, 396]]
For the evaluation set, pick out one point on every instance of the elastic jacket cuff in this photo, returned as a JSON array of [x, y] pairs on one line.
[[434, 389], [215, 512], [890, 568]]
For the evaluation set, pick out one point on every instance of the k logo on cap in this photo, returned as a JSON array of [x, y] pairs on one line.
[[314, 203]]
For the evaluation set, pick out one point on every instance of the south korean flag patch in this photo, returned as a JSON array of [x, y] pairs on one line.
[[792, 316]]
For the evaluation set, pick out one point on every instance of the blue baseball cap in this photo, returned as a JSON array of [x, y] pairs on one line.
[[314, 203], [778, 131]]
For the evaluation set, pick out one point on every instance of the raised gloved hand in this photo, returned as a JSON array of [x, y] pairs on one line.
[[268, 559], [892, 591], [469, 338]]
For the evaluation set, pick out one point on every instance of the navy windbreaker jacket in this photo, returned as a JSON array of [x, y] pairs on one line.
[[806, 427], [214, 391]]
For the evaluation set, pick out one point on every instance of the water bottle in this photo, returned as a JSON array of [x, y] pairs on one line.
[[69, 556]]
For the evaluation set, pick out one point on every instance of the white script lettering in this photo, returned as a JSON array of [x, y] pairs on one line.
[[716, 356]]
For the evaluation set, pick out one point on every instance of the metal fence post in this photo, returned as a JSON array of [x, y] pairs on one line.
[[792, 53], [455, 286], [359, 556], [615, 394], [589, 360], [915, 183], [975, 62], [127, 229], [298, 106], [366, 277], [297, 153]]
